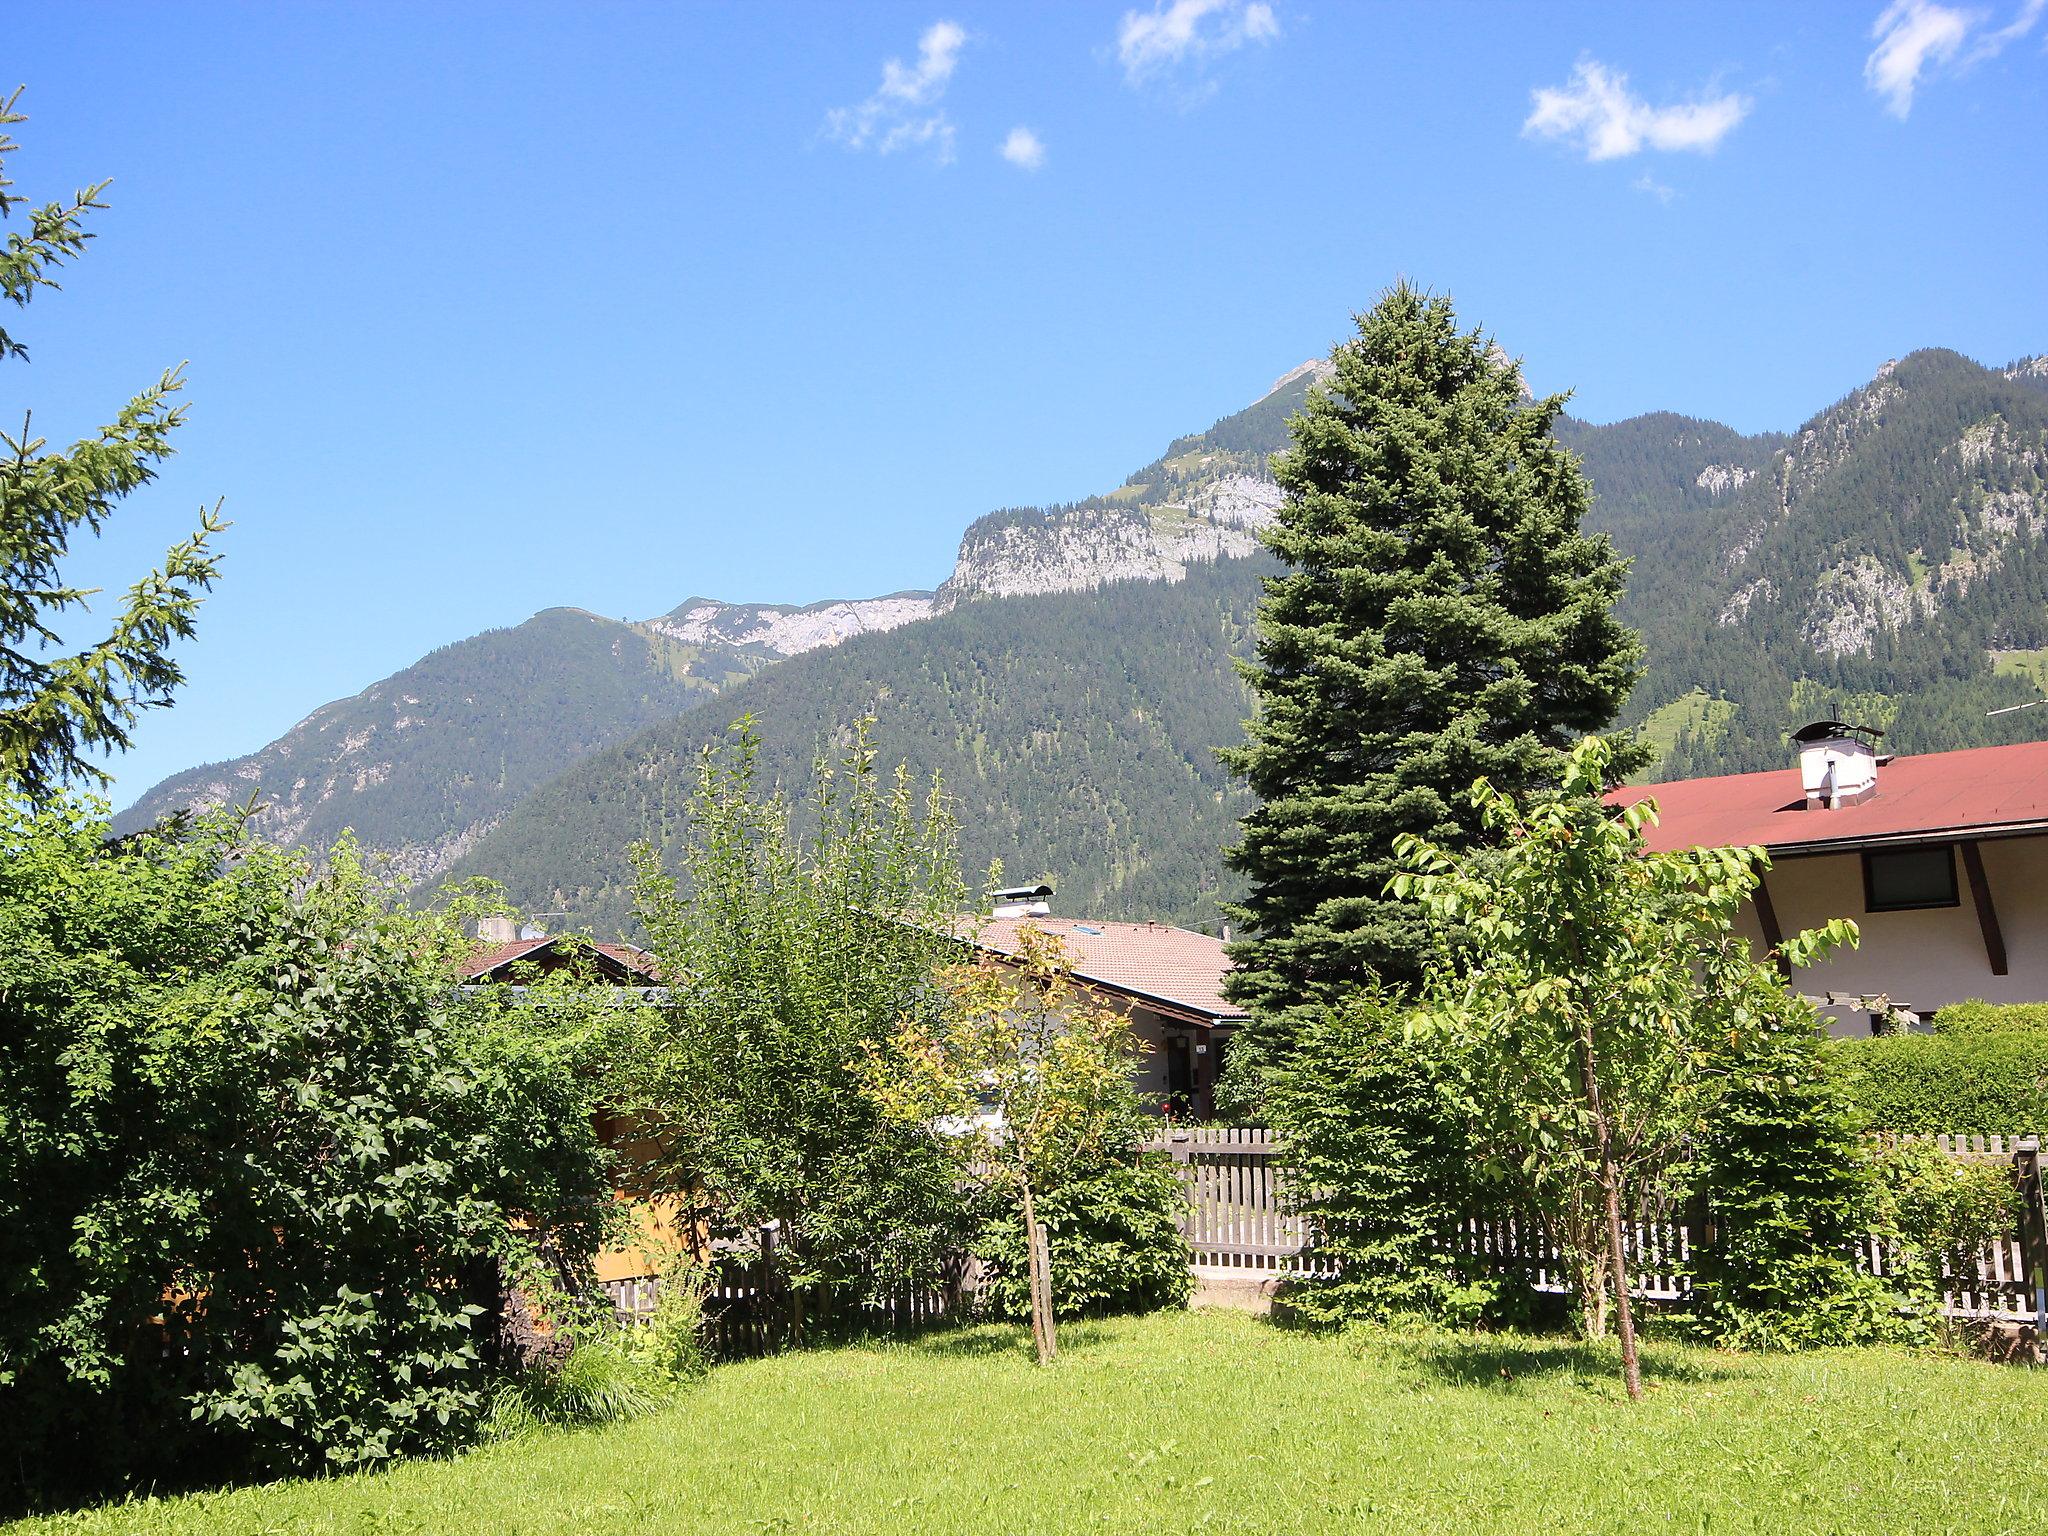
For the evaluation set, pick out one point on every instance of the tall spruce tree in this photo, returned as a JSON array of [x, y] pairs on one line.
[[1442, 617], [60, 709]]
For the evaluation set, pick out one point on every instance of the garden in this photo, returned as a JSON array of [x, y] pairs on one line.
[[299, 1232]]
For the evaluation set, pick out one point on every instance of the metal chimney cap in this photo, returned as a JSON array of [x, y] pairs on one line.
[[1822, 730], [1021, 893]]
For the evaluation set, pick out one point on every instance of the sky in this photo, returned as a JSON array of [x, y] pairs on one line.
[[492, 308]]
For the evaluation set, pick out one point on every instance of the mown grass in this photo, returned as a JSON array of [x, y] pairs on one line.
[[1218, 1422]]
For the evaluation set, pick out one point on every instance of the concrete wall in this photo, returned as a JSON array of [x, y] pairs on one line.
[[1925, 959]]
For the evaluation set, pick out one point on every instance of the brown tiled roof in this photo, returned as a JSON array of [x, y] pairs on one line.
[[495, 957], [1154, 961], [1981, 791]]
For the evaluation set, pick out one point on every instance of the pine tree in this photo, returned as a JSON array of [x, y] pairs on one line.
[[1442, 617], [57, 709]]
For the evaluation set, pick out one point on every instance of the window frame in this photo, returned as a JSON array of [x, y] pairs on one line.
[[1870, 902]]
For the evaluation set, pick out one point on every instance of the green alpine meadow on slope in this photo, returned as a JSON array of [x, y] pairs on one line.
[[1211, 1421]]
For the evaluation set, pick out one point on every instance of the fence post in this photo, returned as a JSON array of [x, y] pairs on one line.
[[1181, 1148], [2026, 1165]]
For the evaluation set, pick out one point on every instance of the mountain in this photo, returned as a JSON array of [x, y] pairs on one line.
[[423, 763], [1886, 566], [1896, 537], [1070, 688], [1073, 730], [1071, 676]]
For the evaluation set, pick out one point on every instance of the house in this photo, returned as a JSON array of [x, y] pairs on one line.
[[507, 956], [1167, 980], [507, 953], [1940, 858]]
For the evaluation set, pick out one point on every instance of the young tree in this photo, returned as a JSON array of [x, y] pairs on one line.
[[58, 709], [784, 958], [1442, 618], [1593, 998], [1029, 1074]]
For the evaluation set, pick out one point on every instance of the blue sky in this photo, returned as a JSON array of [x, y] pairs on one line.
[[492, 308]]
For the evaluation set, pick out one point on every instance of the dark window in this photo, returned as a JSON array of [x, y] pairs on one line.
[[1908, 878]]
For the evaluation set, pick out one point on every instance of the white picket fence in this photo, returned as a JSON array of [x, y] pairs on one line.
[[1239, 1221]]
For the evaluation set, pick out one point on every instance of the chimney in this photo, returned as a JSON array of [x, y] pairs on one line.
[[1838, 763], [1021, 901], [497, 930]]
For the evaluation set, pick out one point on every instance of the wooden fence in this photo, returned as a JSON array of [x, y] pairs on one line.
[[748, 1312], [1240, 1222]]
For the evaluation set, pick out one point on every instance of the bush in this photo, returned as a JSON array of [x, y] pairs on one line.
[[670, 1345], [1936, 1208], [1790, 1190], [256, 1172], [1969, 1082], [1977, 1017], [1385, 1169], [1114, 1233]]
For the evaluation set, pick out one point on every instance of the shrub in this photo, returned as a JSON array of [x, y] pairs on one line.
[[1791, 1190], [1380, 1166], [1970, 1082], [254, 1168], [1936, 1208], [1114, 1233], [670, 1345], [1977, 1017]]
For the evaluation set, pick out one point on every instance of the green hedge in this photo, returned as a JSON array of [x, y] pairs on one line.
[[1990, 1084], [1977, 1017]]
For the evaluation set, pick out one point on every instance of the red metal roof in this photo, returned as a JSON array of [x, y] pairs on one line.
[[1982, 792], [496, 957], [1173, 966]]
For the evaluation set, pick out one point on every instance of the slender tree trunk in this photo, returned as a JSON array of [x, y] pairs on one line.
[[1610, 1192], [1038, 1270]]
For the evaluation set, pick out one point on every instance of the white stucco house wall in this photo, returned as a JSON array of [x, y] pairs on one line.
[[1941, 859]]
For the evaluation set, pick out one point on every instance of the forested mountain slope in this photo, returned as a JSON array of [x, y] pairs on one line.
[[1073, 730], [1887, 566], [421, 764]]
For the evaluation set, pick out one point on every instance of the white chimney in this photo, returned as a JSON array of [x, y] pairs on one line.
[[497, 930], [1837, 763]]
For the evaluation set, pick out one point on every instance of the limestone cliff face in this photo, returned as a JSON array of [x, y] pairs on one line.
[[1204, 500], [787, 631], [1089, 547]]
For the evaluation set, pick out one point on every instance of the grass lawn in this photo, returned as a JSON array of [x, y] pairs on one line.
[[1214, 1421]]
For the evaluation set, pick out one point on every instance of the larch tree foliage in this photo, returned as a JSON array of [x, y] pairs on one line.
[[59, 707], [1442, 618]]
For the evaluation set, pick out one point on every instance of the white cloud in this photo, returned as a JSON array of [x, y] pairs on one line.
[[1177, 32], [1655, 188], [904, 111], [1023, 149], [1916, 38], [1598, 111]]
